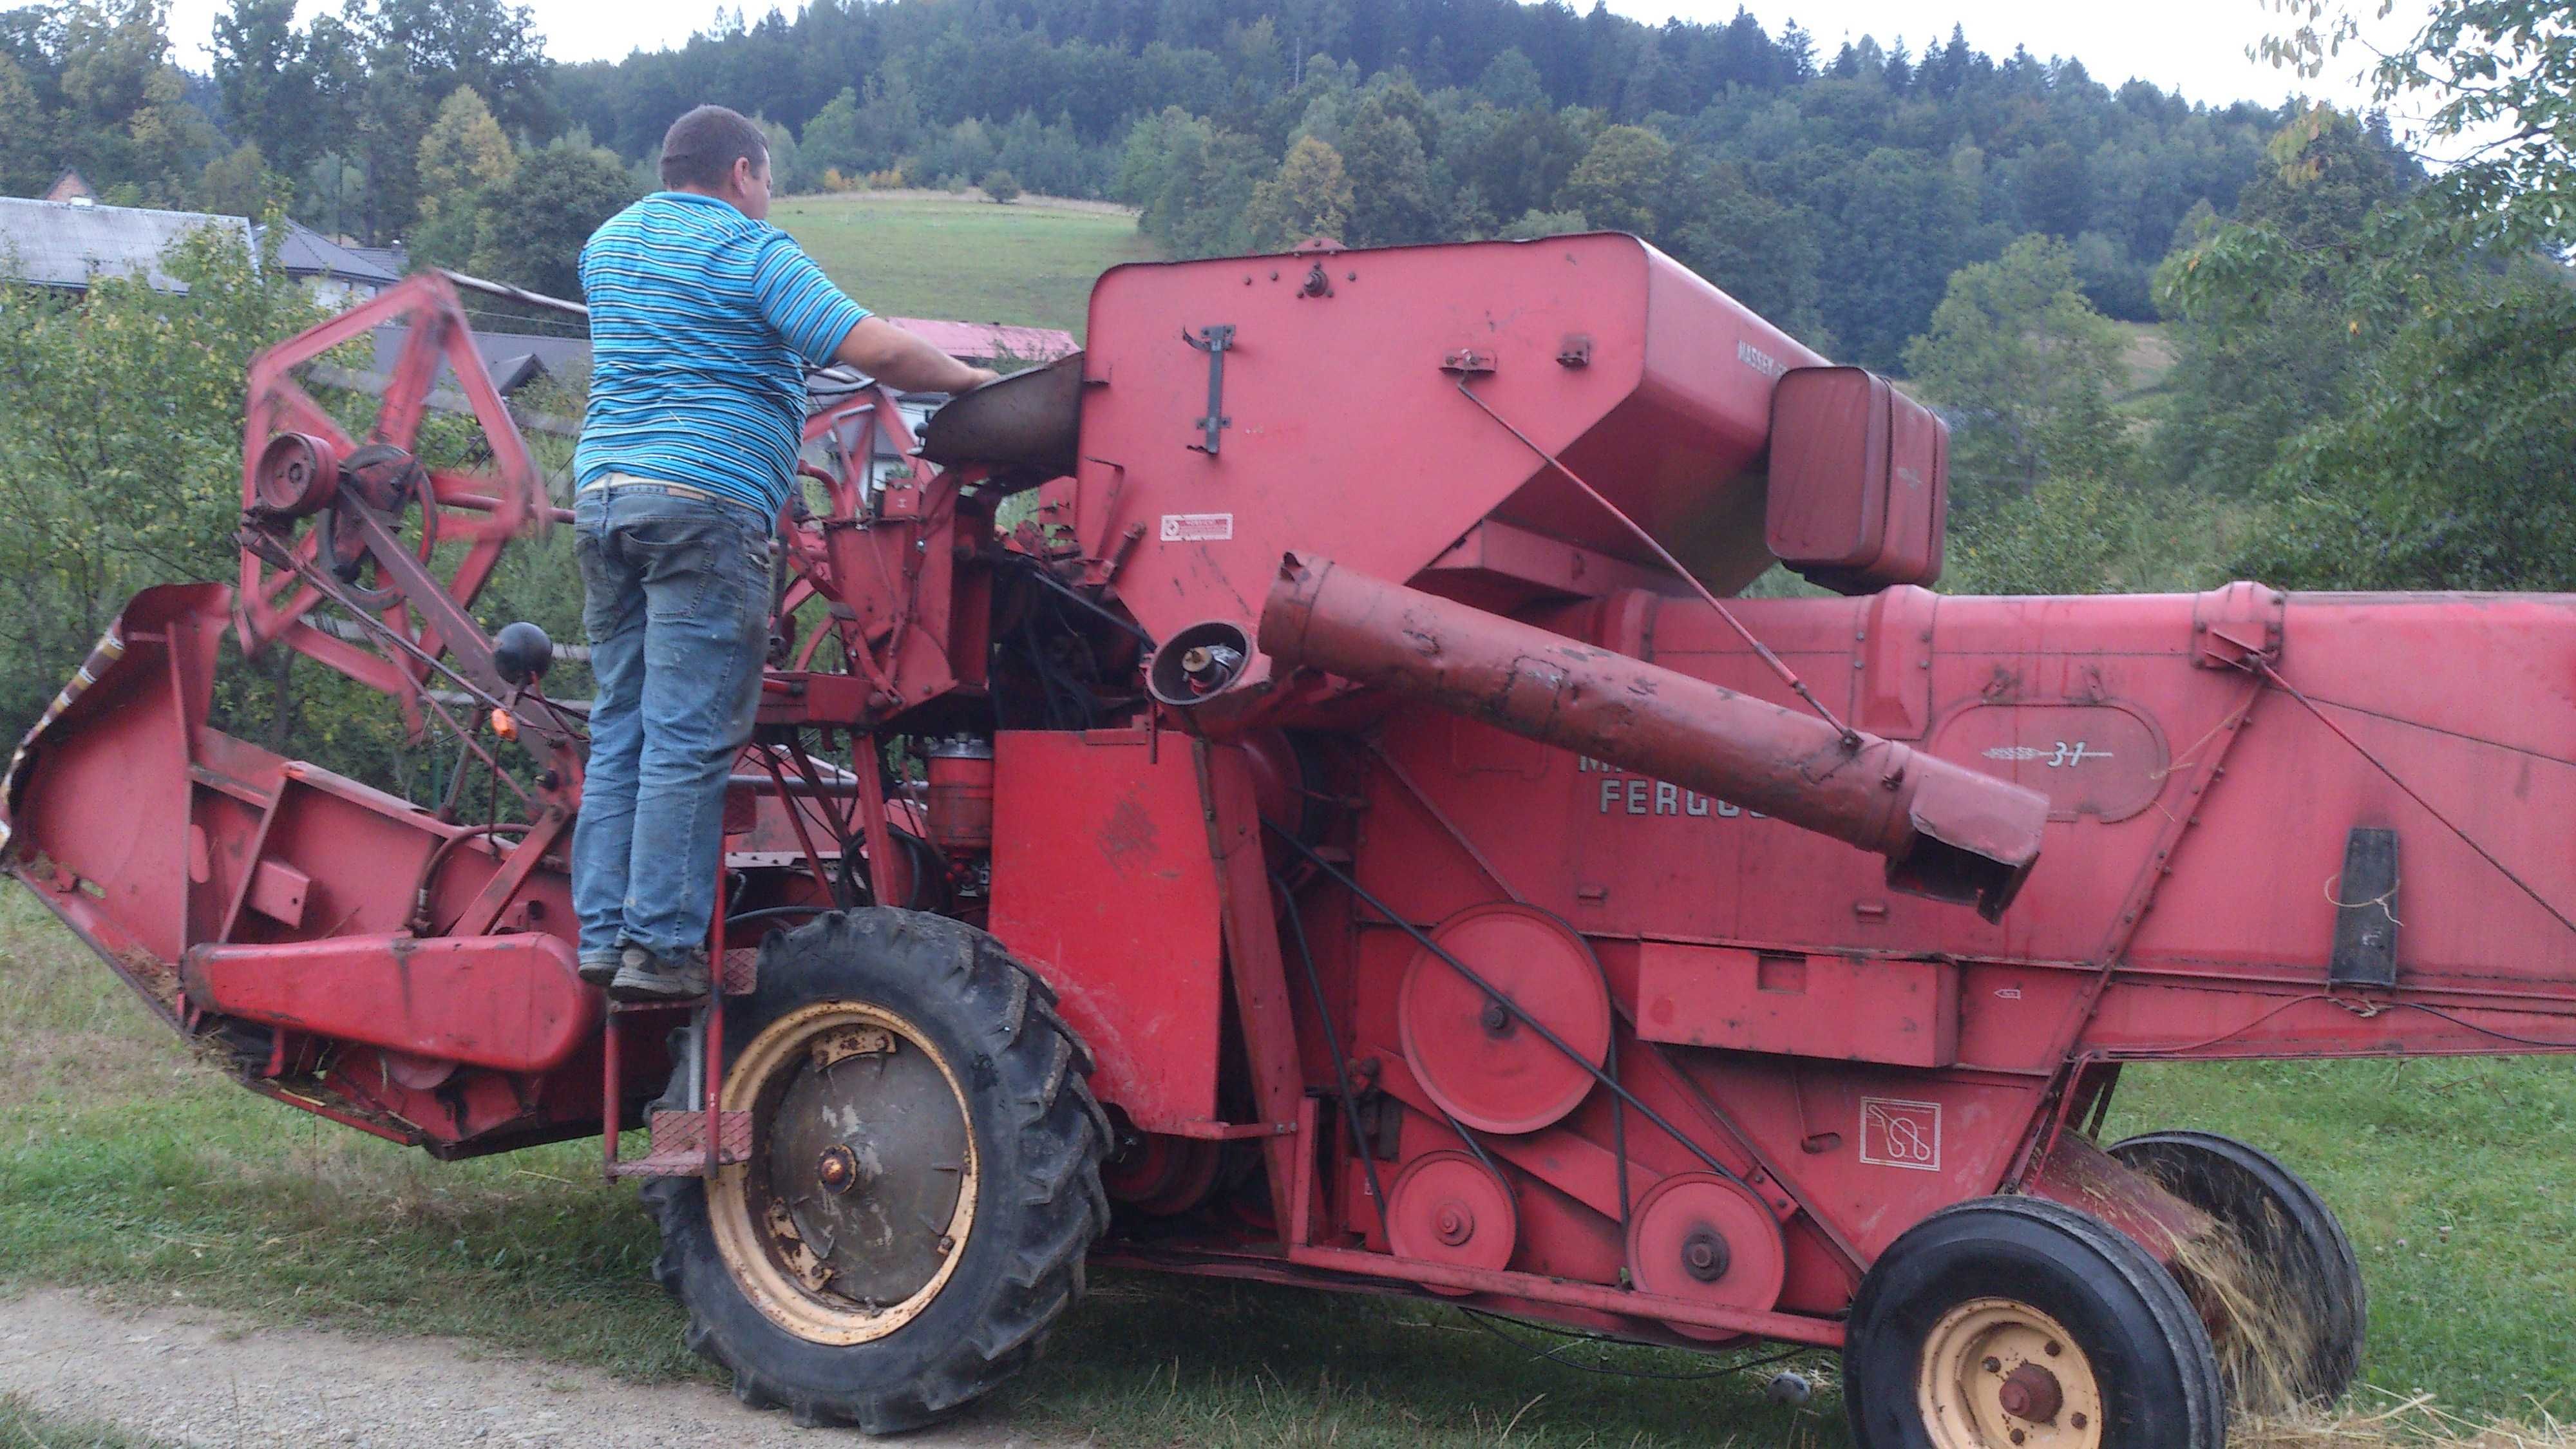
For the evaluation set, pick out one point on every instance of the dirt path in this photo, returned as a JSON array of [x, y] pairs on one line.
[[215, 1380]]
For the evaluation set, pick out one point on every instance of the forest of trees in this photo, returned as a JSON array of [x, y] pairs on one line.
[[2373, 380], [1836, 193]]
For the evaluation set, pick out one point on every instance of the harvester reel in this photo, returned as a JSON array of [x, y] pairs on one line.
[[318, 505]]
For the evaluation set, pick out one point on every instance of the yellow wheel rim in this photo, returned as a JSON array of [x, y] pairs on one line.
[[1999, 1374], [783, 1220]]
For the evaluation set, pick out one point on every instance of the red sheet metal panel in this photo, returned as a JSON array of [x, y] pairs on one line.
[[1650, 382], [509, 1002], [1844, 1008], [1859, 480], [1103, 882]]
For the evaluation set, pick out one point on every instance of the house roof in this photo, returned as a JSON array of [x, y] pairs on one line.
[[512, 358], [986, 341], [304, 252], [70, 186], [393, 258], [64, 244]]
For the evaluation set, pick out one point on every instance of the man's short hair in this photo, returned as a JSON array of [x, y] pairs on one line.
[[700, 148]]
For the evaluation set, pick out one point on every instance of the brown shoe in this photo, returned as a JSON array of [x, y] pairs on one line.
[[600, 970], [642, 978]]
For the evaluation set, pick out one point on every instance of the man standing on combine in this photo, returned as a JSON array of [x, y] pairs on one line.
[[702, 318]]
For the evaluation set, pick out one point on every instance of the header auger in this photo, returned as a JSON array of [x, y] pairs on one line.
[[1344, 833]]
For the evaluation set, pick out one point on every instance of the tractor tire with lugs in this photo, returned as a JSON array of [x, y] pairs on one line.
[[2306, 1286], [2021, 1323], [923, 1181]]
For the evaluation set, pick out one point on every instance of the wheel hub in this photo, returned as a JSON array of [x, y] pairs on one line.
[[1704, 1255], [2031, 1392], [860, 1193], [885, 1125], [838, 1170], [1455, 1224], [2000, 1374]]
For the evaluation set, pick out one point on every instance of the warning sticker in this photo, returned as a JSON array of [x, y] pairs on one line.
[[1197, 527], [1900, 1134]]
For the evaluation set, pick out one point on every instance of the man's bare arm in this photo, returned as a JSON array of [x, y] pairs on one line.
[[900, 360]]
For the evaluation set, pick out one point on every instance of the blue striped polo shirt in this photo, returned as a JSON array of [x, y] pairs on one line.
[[700, 322]]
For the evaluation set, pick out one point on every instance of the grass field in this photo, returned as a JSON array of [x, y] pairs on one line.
[[968, 261], [128, 1166]]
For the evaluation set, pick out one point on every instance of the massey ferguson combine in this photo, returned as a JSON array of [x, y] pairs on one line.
[[1343, 833]]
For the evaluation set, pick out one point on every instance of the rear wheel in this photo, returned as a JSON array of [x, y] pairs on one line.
[[2018, 1323], [2282, 1292], [923, 1182]]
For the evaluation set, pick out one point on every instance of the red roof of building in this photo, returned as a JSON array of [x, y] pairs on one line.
[[985, 341]]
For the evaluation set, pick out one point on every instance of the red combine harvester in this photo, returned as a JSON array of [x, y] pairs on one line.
[[1341, 837]]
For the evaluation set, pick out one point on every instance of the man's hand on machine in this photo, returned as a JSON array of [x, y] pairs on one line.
[[900, 360]]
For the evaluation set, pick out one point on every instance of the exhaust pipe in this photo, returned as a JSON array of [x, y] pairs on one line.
[[1948, 832]]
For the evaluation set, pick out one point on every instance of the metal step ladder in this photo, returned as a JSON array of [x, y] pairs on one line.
[[693, 1142]]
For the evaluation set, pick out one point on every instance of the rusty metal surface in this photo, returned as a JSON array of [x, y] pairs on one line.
[[1028, 421], [1859, 481], [1947, 832], [680, 1145], [1342, 433], [507, 1002]]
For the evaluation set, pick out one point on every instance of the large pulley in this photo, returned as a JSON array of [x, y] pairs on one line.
[[371, 523], [1476, 1052], [1705, 1238]]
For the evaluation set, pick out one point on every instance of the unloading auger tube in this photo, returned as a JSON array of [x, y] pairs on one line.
[[1947, 832]]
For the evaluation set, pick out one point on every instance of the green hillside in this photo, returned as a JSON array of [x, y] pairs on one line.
[[969, 261]]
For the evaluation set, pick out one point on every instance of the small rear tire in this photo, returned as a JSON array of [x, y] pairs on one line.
[[2308, 1286], [2019, 1323], [923, 1182]]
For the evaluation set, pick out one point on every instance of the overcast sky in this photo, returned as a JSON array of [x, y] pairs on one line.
[[2196, 46]]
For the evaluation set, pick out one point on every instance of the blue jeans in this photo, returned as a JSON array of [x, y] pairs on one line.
[[677, 607]]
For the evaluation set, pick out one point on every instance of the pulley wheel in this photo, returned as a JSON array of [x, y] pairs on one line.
[[1700, 1237], [1162, 1175], [1447, 1207], [1472, 1054]]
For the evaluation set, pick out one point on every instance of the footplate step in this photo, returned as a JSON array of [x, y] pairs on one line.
[[680, 1145]]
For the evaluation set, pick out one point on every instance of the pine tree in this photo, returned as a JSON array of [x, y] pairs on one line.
[[1390, 177]]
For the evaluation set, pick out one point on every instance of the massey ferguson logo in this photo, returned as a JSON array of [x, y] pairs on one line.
[[1900, 1134], [2066, 755]]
